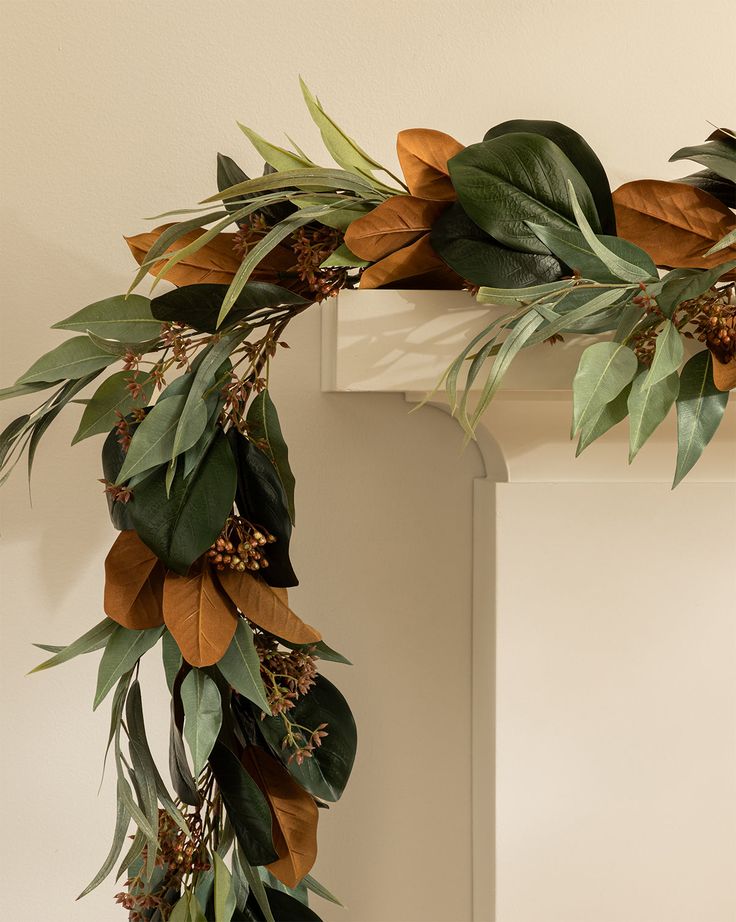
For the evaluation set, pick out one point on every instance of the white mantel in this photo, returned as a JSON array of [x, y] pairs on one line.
[[604, 707]]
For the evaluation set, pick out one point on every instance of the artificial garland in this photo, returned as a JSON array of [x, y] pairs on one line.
[[199, 484]]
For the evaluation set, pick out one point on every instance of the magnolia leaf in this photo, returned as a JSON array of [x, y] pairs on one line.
[[708, 181], [423, 155], [199, 615], [94, 639], [416, 265], [73, 359], [133, 584], [668, 354], [648, 405], [294, 813], [578, 151], [224, 891], [393, 224], [126, 318], [603, 372], [153, 440], [284, 906], [246, 806], [686, 284], [215, 262], [202, 715], [700, 408], [718, 155], [265, 607], [264, 428], [113, 401], [724, 374], [326, 773], [675, 223], [241, 667], [515, 178], [180, 526], [123, 650]]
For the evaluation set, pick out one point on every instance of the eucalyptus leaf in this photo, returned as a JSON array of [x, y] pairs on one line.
[[21, 390], [224, 892], [94, 639], [255, 884], [700, 409], [112, 401], [127, 318], [726, 241], [649, 404], [123, 650], [241, 667], [153, 440], [279, 158], [681, 285], [320, 890], [202, 716], [603, 372], [609, 416], [342, 257], [122, 822], [73, 359], [668, 354]]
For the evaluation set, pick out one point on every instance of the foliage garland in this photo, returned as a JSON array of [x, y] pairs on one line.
[[199, 483]]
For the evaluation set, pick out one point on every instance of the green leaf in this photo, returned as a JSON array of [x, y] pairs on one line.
[[700, 408], [474, 255], [320, 890], [111, 401], [181, 526], [685, 284], [718, 156], [153, 440], [322, 651], [578, 151], [592, 301], [506, 181], [279, 158], [609, 416], [523, 296], [668, 353], [119, 349], [715, 185], [315, 179], [264, 426], [285, 906], [124, 649], [121, 828], [726, 241], [241, 667], [224, 892], [203, 716], [573, 249], [603, 372], [199, 305], [648, 406], [246, 806], [327, 772], [95, 639], [73, 359], [180, 912], [618, 267], [125, 318], [184, 782], [342, 257], [20, 390], [172, 658], [254, 882]]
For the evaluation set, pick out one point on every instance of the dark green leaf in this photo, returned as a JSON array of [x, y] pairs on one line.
[[700, 409], [113, 458], [722, 189], [264, 426], [246, 806], [718, 155], [283, 907], [181, 526], [72, 360], [172, 658], [126, 318], [326, 773], [184, 782]]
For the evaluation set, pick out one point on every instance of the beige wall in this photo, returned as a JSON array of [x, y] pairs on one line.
[[113, 111]]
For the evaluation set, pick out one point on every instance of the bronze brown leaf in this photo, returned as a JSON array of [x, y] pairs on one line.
[[199, 615], [423, 154], [674, 222], [416, 266], [215, 262], [133, 583], [267, 607], [724, 374], [391, 225], [294, 814]]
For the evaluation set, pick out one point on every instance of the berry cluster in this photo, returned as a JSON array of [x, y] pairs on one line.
[[240, 546]]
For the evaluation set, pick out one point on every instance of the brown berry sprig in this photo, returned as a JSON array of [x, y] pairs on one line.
[[240, 546]]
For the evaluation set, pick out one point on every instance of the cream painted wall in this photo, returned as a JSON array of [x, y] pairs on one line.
[[113, 111]]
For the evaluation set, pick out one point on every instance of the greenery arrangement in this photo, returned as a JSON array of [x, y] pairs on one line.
[[199, 484]]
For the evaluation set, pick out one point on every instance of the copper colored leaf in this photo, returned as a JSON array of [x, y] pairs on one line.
[[199, 615], [674, 222], [393, 224], [423, 154], [214, 262], [267, 607], [416, 265], [724, 375], [133, 584], [294, 814]]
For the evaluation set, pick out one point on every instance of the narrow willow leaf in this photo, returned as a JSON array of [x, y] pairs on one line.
[[121, 827], [204, 887], [727, 241], [685, 284], [620, 268], [320, 890], [172, 658], [611, 415], [648, 406], [603, 372], [224, 891], [516, 296], [668, 353], [72, 360], [116, 714], [700, 409], [241, 667], [20, 390], [111, 401], [132, 855], [184, 782], [315, 179], [256, 885], [598, 301], [123, 650], [279, 158], [202, 716], [96, 638], [126, 318], [263, 425]]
